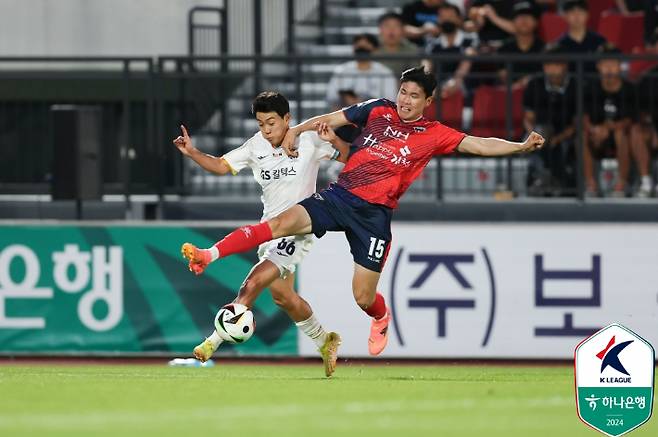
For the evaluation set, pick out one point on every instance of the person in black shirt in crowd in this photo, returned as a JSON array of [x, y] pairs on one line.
[[420, 19], [549, 103], [578, 39], [525, 40], [648, 7], [610, 113], [453, 40], [492, 21]]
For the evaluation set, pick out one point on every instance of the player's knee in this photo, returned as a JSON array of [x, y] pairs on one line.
[[275, 226]]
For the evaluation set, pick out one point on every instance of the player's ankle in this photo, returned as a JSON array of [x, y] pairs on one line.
[[214, 253]]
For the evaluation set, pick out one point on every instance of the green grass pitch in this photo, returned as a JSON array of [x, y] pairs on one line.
[[290, 400]]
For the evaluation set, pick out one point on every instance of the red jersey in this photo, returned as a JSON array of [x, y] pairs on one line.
[[390, 154]]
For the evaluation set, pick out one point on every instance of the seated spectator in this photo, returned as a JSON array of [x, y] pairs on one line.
[[610, 113], [420, 19], [452, 41], [362, 77], [525, 41], [491, 19], [627, 7], [648, 7], [644, 137], [578, 38], [549, 108], [393, 42], [359, 80]]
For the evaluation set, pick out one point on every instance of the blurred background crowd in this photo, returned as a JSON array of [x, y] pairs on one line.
[[92, 92], [620, 105]]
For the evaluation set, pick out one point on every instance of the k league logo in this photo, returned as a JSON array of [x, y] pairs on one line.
[[614, 372], [610, 357]]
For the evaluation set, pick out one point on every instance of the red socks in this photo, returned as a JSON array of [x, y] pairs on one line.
[[378, 308], [243, 239]]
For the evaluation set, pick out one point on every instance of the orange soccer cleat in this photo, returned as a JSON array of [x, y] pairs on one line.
[[198, 258], [379, 334]]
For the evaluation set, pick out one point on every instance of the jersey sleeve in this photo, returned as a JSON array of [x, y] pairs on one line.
[[358, 114], [239, 158], [446, 140], [322, 149]]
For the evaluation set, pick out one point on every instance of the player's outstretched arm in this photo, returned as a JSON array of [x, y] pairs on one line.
[[333, 119], [207, 162], [499, 147]]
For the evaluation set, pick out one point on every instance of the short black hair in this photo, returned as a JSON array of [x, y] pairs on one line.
[[372, 39], [270, 101], [451, 6], [425, 79], [390, 15], [572, 4]]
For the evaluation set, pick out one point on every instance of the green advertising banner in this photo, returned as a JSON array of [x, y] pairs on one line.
[[122, 289]]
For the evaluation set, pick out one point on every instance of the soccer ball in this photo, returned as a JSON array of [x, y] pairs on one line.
[[235, 323]]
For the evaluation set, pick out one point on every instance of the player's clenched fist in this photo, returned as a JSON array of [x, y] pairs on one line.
[[183, 142], [533, 142]]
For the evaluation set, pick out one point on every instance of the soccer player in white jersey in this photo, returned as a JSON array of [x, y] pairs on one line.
[[285, 181]]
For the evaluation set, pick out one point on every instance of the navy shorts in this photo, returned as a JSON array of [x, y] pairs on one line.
[[367, 226]]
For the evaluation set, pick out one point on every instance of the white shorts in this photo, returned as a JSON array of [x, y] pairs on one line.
[[286, 252]]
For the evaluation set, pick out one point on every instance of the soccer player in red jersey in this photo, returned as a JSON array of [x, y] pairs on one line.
[[394, 146]]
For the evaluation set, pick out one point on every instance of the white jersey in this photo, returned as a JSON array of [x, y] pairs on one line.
[[285, 180]]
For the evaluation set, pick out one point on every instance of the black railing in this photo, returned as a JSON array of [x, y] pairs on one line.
[[144, 102], [207, 31], [122, 88]]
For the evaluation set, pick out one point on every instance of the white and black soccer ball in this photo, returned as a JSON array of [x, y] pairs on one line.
[[235, 323]]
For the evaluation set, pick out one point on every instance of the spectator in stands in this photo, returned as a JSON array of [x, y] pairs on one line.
[[648, 7], [627, 7], [491, 19], [610, 113], [525, 41], [362, 78], [420, 19], [453, 40], [393, 42], [644, 137], [549, 105], [578, 38]]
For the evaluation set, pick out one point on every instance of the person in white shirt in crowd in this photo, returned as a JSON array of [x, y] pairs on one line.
[[363, 78]]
